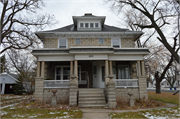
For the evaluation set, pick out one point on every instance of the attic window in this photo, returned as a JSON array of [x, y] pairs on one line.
[[81, 25], [96, 25], [86, 25], [91, 25]]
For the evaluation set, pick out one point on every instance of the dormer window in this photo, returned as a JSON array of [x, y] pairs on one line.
[[92, 25], [81, 25], [86, 25], [96, 25]]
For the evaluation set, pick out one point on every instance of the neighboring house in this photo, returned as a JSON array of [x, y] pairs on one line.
[[7, 81], [164, 84], [89, 60]]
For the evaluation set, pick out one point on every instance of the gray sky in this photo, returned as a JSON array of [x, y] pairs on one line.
[[63, 10]]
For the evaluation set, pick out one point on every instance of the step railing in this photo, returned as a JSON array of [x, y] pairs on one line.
[[56, 83], [124, 83]]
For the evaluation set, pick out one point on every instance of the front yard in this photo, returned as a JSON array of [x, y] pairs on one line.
[[165, 113]]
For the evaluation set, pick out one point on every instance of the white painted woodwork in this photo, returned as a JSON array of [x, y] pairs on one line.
[[91, 57], [125, 57], [56, 58]]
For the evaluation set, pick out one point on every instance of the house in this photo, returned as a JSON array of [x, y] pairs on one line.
[[7, 81], [90, 62]]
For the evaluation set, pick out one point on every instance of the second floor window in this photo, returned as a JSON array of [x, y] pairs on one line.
[[115, 43], [62, 43], [101, 40], [77, 41]]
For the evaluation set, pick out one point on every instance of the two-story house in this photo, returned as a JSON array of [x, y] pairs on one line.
[[90, 63]]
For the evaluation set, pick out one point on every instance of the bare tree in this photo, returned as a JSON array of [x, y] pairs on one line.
[[158, 15], [24, 65], [19, 20]]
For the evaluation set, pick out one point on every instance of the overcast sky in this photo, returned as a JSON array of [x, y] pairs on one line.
[[63, 10]]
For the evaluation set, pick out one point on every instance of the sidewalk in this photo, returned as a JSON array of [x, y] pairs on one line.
[[165, 89], [104, 113]]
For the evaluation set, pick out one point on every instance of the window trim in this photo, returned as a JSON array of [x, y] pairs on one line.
[[76, 39], [62, 39], [119, 42], [128, 70], [99, 42]]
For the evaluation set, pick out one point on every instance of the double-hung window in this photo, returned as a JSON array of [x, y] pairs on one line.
[[101, 40], [116, 43], [81, 25], [92, 25], [62, 73], [123, 72], [78, 41], [86, 25], [62, 43], [97, 25]]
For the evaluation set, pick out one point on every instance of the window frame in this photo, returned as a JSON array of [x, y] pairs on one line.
[[77, 39], [128, 71], [62, 39], [99, 42], [116, 39]]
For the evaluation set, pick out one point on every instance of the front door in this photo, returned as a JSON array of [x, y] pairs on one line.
[[98, 74]]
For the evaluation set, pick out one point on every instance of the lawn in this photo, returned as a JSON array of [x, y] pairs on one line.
[[164, 97], [155, 113]]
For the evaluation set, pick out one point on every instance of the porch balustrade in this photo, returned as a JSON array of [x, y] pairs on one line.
[[56, 83], [124, 83]]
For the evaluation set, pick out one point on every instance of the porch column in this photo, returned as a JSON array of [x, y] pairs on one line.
[[73, 84], [38, 69], [110, 67], [42, 69], [142, 67], [106, 72], [142, 81], [139, 68], [71, 68], [39, 82]]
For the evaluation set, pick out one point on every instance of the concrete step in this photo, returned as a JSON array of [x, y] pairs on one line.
[[91, 89], [92, 102], [91, 95], [91, 98], [94, 105]]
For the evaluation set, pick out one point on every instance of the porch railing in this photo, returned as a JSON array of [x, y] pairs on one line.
[[56, 83], [126, 83]]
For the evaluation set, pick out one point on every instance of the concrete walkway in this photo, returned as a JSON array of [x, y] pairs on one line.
[[104, 113]]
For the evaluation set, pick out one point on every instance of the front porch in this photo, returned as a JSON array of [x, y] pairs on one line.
[[129, 76]]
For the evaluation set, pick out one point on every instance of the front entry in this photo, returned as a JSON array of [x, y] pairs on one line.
[[98, 74]]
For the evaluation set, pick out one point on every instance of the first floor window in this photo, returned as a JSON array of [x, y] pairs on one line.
[[78, 41], [62, 73], [123, 72], [62, 43], [115, 43]]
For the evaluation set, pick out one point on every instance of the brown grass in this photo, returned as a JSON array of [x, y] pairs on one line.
[[164, 97]]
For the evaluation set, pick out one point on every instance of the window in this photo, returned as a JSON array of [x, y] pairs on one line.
[[101, 40], [86, 25], [115, 43], [96, 25], [62, 73], [91, 25], [62, 43], [123, 72], [78, 41], [81, 25]]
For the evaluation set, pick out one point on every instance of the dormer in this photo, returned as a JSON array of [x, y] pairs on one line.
[[88, 22]]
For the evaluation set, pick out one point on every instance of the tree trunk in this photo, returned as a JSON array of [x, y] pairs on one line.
[[158, 87]]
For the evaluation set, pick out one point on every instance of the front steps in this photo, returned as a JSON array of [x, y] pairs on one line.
[[91, 97]]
